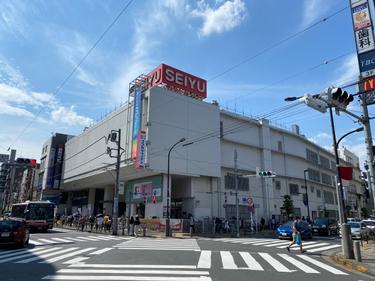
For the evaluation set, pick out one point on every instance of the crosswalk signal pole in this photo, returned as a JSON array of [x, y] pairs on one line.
[[236, 190]]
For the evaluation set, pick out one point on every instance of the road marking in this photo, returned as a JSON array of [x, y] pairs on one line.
[[161, 266], [324, 248], [76, 260], [12, 253], [275, 263], [75, 239], [62, 240], [67, 255], [125, 278], [310, 246], [265, 243], [39, 257], [157, 249], [251, 263], [227, 260], [204, 260], [47, 240], [87, 238], [35, 242], [29, 254], [98, 252], [298, 264], [132, 271], [257, 241], [98, 237], [278, 244], [322, 265], [296, 246], [112, 238]]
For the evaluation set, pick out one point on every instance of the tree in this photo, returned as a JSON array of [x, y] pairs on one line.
[[288, 207], [364, 213]]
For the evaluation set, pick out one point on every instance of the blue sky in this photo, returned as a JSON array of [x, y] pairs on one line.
[[42, 41]]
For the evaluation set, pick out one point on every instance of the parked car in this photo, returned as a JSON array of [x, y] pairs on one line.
[[285, 230], [353, 220], [359, 230], [14, 231], [370, 224], [325, 226]]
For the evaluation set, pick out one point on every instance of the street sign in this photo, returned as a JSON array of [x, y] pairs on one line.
[[364, 39]]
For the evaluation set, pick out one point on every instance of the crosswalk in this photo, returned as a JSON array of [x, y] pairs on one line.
[[48, 255], [160, 244], [63, 240], [240, 261], [310, 246]]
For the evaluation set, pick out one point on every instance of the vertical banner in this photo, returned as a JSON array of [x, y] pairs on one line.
[[137, 120], [141, 150]]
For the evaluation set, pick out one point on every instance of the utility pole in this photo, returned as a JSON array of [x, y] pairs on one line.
[[236, 190], [117, 186], [368, 140]]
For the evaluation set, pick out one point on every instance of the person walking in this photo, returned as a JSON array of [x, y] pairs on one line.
[[105, 222], [137, 222], [192, 226], [262, 223], [296, 236], [131, 222]]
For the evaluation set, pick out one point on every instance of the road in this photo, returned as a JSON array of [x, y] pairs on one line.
[[71, 255]]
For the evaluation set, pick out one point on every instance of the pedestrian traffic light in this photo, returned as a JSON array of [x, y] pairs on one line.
[[339, 98]]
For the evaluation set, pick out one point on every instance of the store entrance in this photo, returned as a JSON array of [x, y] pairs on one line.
[[140, 210]]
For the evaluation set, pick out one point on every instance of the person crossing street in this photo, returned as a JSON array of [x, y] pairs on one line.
[[296, 235]]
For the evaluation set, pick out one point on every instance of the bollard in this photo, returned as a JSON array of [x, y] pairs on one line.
[[357, 251]]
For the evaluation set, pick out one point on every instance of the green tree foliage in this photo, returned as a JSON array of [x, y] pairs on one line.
[[288, 207]]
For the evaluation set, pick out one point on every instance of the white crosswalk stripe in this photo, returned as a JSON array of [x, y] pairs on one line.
[[62, 240], [40, 257], [204, 260], [59, 240], [299, 264], [27, 254], [101, 251], [160, 244], [322, 265], [275, 263], [76, 253], [251, 263], [313, 246], [227, 260]]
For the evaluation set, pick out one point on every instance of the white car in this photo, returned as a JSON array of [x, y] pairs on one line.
[[370, 224], [359, 230]]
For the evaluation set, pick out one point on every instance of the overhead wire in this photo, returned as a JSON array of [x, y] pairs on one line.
[[66, 79]]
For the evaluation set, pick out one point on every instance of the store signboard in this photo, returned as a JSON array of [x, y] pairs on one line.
[[137, 121], [141, 150], [361, 16], [367, 64], [138, 189], [364, 39]]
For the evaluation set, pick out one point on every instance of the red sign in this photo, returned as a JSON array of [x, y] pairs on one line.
[[346, 173], [178, 80], [369, 84]]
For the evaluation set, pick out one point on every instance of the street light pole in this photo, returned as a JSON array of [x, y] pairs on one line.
[[168, 221], [307, 196], [117, 187]]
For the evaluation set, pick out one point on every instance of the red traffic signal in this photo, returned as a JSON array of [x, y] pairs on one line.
[[340, 98]]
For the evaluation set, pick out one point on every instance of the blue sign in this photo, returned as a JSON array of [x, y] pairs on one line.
[[137, 119], [367, 63]]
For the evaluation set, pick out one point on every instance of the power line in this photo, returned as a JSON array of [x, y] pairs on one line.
[[278, 43], [55, 93]]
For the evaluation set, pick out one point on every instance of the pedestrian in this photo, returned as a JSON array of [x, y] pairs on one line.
[[273, 222], [92, 221], [82, 222], [192, 225], [105, 222], [296, 235], [131, 222], [262, 223], [137, 222], [99, 224], [226, 226]]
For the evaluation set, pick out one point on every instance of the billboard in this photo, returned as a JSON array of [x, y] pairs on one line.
[[137, 120], [361, 16], [179, 81]]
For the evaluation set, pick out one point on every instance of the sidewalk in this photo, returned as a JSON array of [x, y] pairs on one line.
[[367, 265]]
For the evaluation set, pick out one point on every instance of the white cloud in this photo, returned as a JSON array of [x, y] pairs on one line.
[[13, 110], [13, 17], [69, 116], [348, 71], [321, 138], [314, 10], [220, 19]]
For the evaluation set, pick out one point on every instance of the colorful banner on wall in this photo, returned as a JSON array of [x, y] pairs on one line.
[[137, 120], [141, 150], [138, 190]]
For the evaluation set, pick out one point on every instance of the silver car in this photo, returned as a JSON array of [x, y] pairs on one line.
[[359, 230]]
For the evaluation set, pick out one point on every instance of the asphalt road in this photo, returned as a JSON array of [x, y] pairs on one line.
[[89, 256]]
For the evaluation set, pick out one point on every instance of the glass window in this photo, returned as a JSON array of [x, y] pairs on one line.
[[314, 175], [280, 146], [18, 211], [243, 183], [312, 156], [328, 197], [318, 193], [326, 179], [324, 162], [278, 185], [293, 189], [40, 212]]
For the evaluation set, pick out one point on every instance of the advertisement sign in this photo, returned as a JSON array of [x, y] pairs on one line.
[[357, 2], [370, 98], [361, 16], [141, 150], [364, 39], [141, 190], [367, 64], [58, 166], [159, 224], [150, 186], [51, 169], [137, 120], [369, 84], [179, 81]]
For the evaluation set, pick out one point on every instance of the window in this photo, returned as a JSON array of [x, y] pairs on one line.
[[312, 156], [314, 175], [328, 197], [243, 183], [277, 185], [221, 129], [324, 162], [312, 188], [318, 193], [293, 189], [297, 211], [280, 146], [333, 166], [326, 179]]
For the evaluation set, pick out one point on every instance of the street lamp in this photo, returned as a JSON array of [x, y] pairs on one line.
[[168, 222], [307, 196]]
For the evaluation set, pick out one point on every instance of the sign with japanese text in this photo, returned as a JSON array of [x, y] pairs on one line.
[[370, 98], [367, 63], [361, 16], [137, 190], [137, 120], [355, 3], [364, 39], [141, 150], [178, 81]]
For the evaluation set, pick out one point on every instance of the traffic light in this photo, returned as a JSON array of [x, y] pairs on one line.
[[262, 173], [26, 162], [339, 98]]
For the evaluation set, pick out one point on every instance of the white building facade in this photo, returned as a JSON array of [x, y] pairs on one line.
[[202, 168]]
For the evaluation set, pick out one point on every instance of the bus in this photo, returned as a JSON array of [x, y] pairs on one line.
[[39, 215]]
